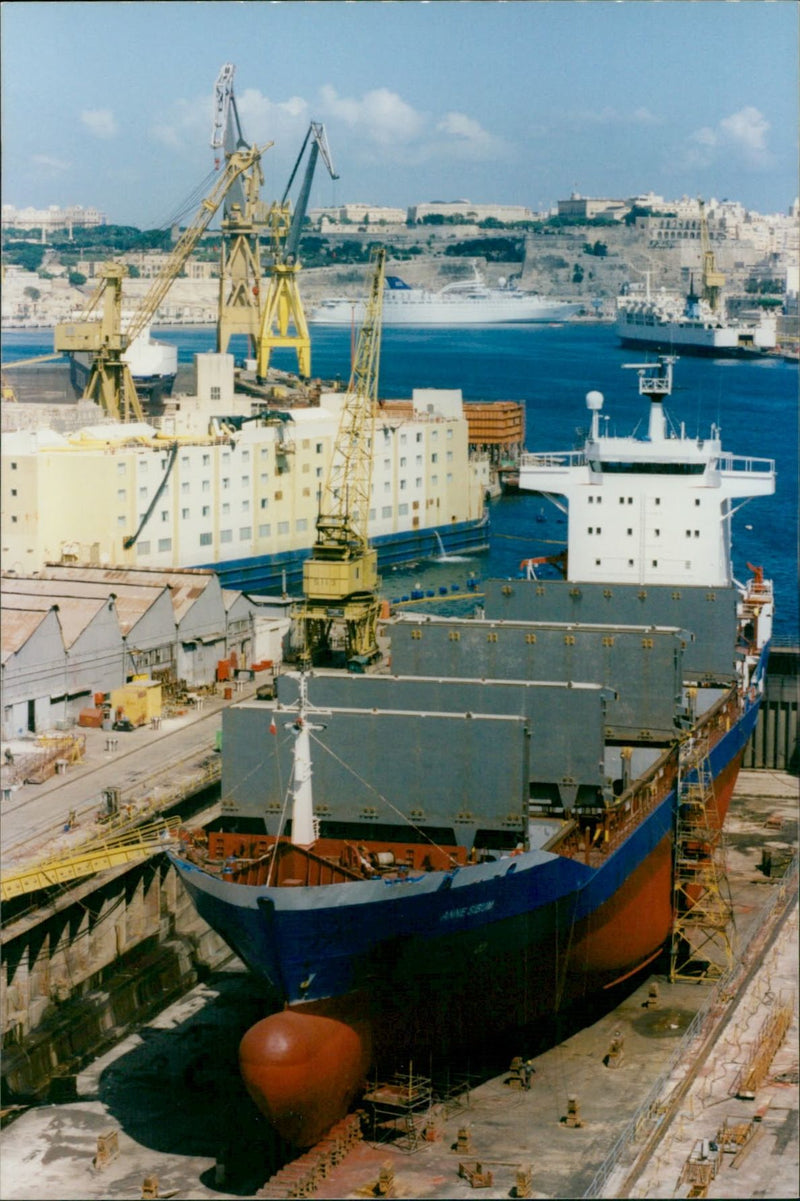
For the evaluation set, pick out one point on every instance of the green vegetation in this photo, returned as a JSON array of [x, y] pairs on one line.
[[494, 250], [76, 279], [24, 254]]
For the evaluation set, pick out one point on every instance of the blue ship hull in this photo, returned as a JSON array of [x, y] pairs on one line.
[[274, 574], [319, 943]]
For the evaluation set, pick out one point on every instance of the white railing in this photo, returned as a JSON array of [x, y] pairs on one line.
[[558, 459], [742, 463]]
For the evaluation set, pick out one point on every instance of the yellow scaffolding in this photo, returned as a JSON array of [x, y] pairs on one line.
[[92, 857], [702, 910]]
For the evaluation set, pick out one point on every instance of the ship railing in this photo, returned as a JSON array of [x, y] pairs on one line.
[[553, 459], [667, 1091], [745, 465]]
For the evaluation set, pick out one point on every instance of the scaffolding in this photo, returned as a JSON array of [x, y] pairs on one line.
[[702, 910], [399, 1108]]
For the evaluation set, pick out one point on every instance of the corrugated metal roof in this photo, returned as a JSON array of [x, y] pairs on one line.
[[185, 585], [131, 602], [74, 614], [17, 627]]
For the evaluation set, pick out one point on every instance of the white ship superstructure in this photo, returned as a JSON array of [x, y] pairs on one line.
[[465, 302], [653, 508]]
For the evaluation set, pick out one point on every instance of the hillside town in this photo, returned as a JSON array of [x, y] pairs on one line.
[[585, 249]]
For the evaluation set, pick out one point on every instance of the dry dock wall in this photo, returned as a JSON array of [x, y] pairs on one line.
[[89, 963]]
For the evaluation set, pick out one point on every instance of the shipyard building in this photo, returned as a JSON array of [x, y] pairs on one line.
[[220, 480]]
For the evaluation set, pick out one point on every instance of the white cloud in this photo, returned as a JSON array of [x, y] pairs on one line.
[[467, 138], [742, 135], [100, 122], [747, 130], [380, 115], [49, 164]]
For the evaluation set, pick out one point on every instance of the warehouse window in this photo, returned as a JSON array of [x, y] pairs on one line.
[[226, 509], [184, 514], [283, 527], [205, 539], [226, 535], [264, 502], [245, 533], [386, 511], [402, 510], [301, 525], [165, 544], [264, 531], [143, 548], [434, 457]]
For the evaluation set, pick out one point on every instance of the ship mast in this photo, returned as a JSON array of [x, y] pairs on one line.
[[303, 823]]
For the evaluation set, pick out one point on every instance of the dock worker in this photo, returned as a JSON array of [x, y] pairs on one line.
[[527, 1071]]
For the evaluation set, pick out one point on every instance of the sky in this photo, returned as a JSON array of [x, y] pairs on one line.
[[109, 105]]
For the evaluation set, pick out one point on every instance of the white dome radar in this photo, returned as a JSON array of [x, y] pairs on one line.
[[594, 401]]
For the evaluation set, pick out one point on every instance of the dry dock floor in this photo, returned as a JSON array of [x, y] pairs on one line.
[[172, 1094]]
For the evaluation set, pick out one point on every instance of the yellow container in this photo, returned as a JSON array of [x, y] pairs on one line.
[[139, 701]]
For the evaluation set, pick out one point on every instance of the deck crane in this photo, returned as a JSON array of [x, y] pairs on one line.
[[282, 305], [340, 579], [244, 216], [111, 383], [713, 280]]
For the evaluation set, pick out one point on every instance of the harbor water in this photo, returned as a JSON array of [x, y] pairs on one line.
[[550, 369]]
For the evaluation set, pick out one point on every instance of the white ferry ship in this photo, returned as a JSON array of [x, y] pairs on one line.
[[669, 322], [465, 302]]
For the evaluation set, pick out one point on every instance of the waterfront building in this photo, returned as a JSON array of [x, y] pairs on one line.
[[223, 480]]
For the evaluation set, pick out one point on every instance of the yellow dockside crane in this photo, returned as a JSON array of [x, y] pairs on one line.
[[110, 383], [713, 280], [340, 579], [245, 216], [283, 308]]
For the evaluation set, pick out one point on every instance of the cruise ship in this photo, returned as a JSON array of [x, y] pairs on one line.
[[225, 482], [464, 302]]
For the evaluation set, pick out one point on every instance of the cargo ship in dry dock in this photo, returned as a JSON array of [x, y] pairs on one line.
[[493, 816]]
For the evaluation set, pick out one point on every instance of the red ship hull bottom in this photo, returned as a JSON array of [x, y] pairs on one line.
[[303, 1067]]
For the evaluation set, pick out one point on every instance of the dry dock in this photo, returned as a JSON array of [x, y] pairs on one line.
[[650, 1084]]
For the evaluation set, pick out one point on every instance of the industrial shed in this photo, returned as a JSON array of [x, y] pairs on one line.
[[72, 631], [32, 661]]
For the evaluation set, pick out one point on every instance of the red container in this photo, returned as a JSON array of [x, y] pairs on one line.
[[223, 669], [92, 718]]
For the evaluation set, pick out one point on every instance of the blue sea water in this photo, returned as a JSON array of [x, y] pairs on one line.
[[550, 369]]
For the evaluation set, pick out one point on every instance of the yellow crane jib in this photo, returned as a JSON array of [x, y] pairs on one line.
[[340, 579], [283, 307], [110, 382]]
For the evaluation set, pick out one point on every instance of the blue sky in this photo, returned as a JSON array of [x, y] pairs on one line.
[[109, 104]]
